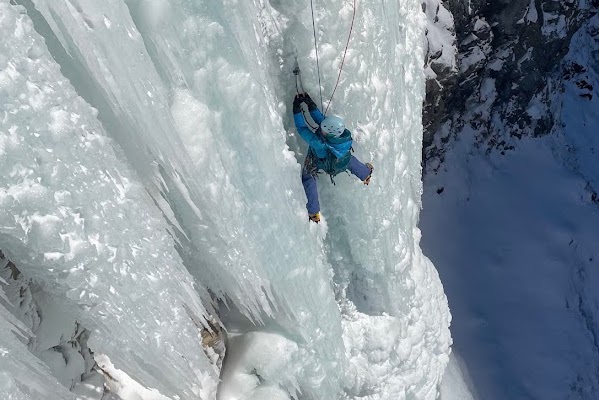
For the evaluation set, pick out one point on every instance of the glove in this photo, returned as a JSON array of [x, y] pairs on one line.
[[299, 99], [311, 104]]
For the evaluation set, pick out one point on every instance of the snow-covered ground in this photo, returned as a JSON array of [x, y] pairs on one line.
[[149, 180], [521, 234], [514, 236]]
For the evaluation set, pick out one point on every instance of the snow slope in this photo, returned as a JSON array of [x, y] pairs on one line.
[[194, 96], [513, 294], [514, 236]]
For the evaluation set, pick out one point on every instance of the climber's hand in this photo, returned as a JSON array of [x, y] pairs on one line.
[[309, 102], [299, 99]]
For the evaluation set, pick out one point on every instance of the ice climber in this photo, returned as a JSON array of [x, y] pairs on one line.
[[329, 150]]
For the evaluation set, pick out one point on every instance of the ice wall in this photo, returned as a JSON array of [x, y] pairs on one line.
[[395, 312], [226, 177], [196, 95], [75, 220], [388, 291]]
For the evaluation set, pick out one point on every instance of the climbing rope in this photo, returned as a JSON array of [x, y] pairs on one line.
[[298, 77], [316, 48], [342, 60], [296, 71]]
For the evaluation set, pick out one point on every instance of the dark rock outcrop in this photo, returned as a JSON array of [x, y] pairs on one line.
[[507, 51], [440, 64]]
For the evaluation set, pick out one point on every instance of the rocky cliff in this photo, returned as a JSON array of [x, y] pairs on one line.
[[508, 57]]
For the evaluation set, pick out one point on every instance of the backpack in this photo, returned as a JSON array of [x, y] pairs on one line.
[[338, 155]]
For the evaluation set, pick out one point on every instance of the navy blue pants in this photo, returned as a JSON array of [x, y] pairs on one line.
[[356, 167]]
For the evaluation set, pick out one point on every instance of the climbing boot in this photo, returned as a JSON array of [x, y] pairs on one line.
[[315, 217], [371, 168]]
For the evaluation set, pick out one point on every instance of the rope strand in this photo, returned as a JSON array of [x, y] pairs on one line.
[[342, 60], [316, 48]]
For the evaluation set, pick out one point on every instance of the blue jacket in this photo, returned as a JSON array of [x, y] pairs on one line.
[[318, 144], [315, 141]]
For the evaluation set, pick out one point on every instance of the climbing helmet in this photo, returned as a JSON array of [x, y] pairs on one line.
[[333, 126]]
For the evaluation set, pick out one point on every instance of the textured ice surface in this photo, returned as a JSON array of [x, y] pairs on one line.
[[456, 383], [75, 218], [196, 96], [235, 195], [389, 293], [22, 375]]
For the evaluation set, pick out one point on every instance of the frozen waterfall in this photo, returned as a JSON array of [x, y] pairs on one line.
[[150, 195]]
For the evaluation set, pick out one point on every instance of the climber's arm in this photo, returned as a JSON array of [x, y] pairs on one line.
[[315, 113], [310, 137]]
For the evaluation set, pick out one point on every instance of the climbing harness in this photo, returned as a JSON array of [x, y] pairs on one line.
[[311, 168]]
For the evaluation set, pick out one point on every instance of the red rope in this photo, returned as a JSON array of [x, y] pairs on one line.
[[343, 59]]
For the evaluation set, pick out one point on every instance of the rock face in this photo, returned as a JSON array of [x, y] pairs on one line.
[[441, 62], [507, 52]]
